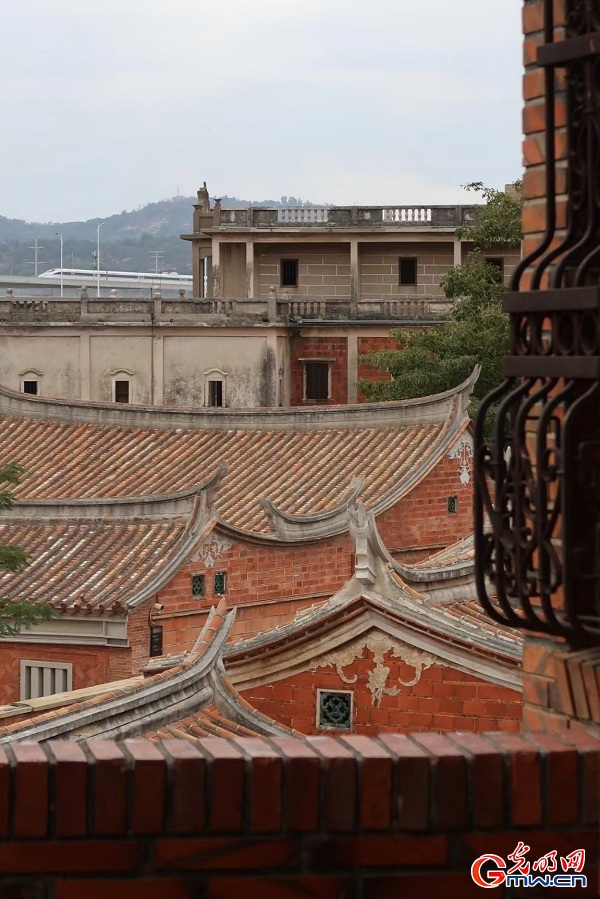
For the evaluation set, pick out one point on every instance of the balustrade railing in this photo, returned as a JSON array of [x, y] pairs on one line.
[[406, 214], [302, 215]]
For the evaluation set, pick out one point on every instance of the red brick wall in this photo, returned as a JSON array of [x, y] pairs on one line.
[[534, 212], [422, 518], [320, 348], [444, 699], [284, 818], [91, 664], [276, 580], [369, 372]]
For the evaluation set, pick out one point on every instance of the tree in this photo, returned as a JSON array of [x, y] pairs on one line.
[[475, 331], [498, 221], [15, 615]]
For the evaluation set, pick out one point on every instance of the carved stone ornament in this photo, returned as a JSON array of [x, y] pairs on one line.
[[463, 451], [379, 645], [212, 549]]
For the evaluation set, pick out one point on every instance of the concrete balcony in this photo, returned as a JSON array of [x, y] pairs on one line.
[[447, 218]]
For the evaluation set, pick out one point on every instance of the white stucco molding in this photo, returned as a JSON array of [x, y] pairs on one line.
[[450, 407], [293, 527]]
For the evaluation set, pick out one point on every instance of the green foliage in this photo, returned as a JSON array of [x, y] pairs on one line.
[[15, 615], [475, 331], [499, 220]]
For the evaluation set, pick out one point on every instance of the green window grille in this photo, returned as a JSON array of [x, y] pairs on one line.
[[452, 505], [198, 585], [220, 583], [335, 709]]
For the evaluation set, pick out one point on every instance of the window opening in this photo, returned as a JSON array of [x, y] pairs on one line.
[[156, 640], [497, 262], [215, 393], [289, 272], [408, 270], [30, 387], [452, 505], [317, 381], [44, 678], [334, 709], [220, 583], [198, 585], [121, 391]]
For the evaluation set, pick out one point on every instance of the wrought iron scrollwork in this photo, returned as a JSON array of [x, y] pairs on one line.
[[537, 437]]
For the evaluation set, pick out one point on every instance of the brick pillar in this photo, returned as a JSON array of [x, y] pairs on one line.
[[534, 144], [561, 690]]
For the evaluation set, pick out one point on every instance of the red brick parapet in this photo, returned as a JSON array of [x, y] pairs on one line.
[[394, 816]]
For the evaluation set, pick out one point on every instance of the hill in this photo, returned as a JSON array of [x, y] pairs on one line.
[[129, 240]]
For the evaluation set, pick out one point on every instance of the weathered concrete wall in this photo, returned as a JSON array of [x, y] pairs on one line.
[[323, 270], [57, 360]]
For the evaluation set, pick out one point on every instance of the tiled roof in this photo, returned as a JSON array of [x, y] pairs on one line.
[[87, 566], [194, 695], [302, 461], [209, 722]]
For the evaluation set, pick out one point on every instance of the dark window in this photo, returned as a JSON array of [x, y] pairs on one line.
[[452, 505], [317, 380], [215, 393], [30, 387], [408, 270], [335, 709], [156, 640], [497, 262], [198, 588], [289, 273], [220, 583], [121, 391]]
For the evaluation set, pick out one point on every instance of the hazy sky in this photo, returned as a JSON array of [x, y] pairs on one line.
[[110, 104]]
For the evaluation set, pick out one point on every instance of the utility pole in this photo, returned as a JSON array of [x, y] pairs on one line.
[[98, 258], [36, 249], [156, 254], [62, 274]]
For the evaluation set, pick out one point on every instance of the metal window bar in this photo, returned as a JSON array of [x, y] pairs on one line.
[[537, 436]]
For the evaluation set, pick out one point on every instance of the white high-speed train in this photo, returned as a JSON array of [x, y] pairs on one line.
[[150, 278]]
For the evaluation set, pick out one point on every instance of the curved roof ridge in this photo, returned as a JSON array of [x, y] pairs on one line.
[[178, 504], [122, 711], [411, 411]]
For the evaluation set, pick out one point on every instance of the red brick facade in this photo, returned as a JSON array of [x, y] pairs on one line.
[[422, 520], [328, 347], [369, 372], [91, 664], [444, 699]]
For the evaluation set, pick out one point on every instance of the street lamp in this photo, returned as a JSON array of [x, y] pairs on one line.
[[61, 262], [98, 258]]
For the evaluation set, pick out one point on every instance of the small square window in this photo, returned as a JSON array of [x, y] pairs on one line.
[[30, 387], [408, 270], [215, 393], [496, 262], [121, 391], [452, 505], [289, 273], [334, 709], [198, 585], [156, 641], [220, 583], [316, 375]]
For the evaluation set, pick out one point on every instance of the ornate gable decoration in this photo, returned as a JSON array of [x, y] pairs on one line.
[[379, 645], [463, 451], [212, 549]]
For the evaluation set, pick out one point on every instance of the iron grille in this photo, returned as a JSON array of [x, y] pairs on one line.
[[335, 709], [220, 583], [537, 492]]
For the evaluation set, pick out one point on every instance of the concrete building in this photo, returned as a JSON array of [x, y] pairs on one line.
[[285, 302]]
